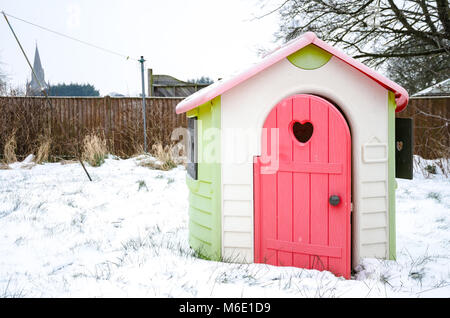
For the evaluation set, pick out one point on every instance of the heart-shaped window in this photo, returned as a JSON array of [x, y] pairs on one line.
[[302, 132]]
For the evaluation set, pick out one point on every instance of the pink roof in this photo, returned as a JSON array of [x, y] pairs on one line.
[[220, 87]]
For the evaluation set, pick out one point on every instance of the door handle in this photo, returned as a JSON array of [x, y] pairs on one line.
[[334, 200]]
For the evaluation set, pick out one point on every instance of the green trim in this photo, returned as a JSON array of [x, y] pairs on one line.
[[392, 184], [192, 113], [205, 221], [310, 57]]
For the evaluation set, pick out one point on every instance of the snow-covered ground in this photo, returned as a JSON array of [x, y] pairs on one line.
[[125, 235]]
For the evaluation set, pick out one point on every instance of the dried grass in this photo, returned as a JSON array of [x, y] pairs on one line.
[[120, 125], [166, 155], [162, 157], [138, 150], [43, 151], [94, 150], [24, 118], [9, 149], [67, 162]]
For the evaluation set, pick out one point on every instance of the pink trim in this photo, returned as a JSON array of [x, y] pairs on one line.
[[218, 88]]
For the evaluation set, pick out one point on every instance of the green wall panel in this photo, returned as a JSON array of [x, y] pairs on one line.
[[205, 198], [391, 175]]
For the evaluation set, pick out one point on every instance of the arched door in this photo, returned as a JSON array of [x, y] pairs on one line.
[[302, 187]]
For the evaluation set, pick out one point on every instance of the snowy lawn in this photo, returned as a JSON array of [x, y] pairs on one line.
[[125, 235]]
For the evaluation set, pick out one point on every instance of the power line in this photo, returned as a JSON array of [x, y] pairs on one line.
[[69, 37]]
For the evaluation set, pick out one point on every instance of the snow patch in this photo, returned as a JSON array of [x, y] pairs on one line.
[[125, 234]]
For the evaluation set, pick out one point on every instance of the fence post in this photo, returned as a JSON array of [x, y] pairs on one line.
[[108, 125], [143, 103]]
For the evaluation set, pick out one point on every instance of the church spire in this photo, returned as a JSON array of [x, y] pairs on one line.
[[34, 89]]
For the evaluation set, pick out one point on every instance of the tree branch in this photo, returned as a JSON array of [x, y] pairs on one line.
[[403, 20], [427, 16], [272, 11], [443, 13], [411, 54]]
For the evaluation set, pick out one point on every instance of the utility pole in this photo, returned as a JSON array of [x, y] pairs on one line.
[[143, 103]]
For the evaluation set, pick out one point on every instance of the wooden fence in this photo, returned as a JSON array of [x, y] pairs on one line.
[[119, 120], [431, 118], [69, 119]]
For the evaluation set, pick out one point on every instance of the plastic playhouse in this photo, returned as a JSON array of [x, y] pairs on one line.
[[292, 162]]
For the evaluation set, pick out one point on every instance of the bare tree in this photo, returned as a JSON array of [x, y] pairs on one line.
[[419, 72], [375, 31]]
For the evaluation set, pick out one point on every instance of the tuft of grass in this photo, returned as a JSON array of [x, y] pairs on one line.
[[134, 244], [138, 150], [103, 271], [19, 240], [199, 253], [142, 184], [417, 275], [78, 221], [66, 162], [43, 150], [428, 168], [434, 195], [94, 150], [385, 278], [8, 293], [444, 165], [164, 156], [9, 149], [418, 264], [5, 211], [431, 169]]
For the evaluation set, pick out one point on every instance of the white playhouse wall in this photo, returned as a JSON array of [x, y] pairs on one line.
[[365, 106]]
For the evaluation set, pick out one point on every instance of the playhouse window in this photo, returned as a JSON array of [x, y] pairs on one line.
[[192, 165]]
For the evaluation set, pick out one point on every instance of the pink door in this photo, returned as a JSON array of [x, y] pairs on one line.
[[302, 187]]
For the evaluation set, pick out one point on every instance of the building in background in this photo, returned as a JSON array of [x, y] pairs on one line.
[[169, 86], [441, 89], [34, 87]]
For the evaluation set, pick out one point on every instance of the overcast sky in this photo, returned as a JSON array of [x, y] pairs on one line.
[[186, 39]]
